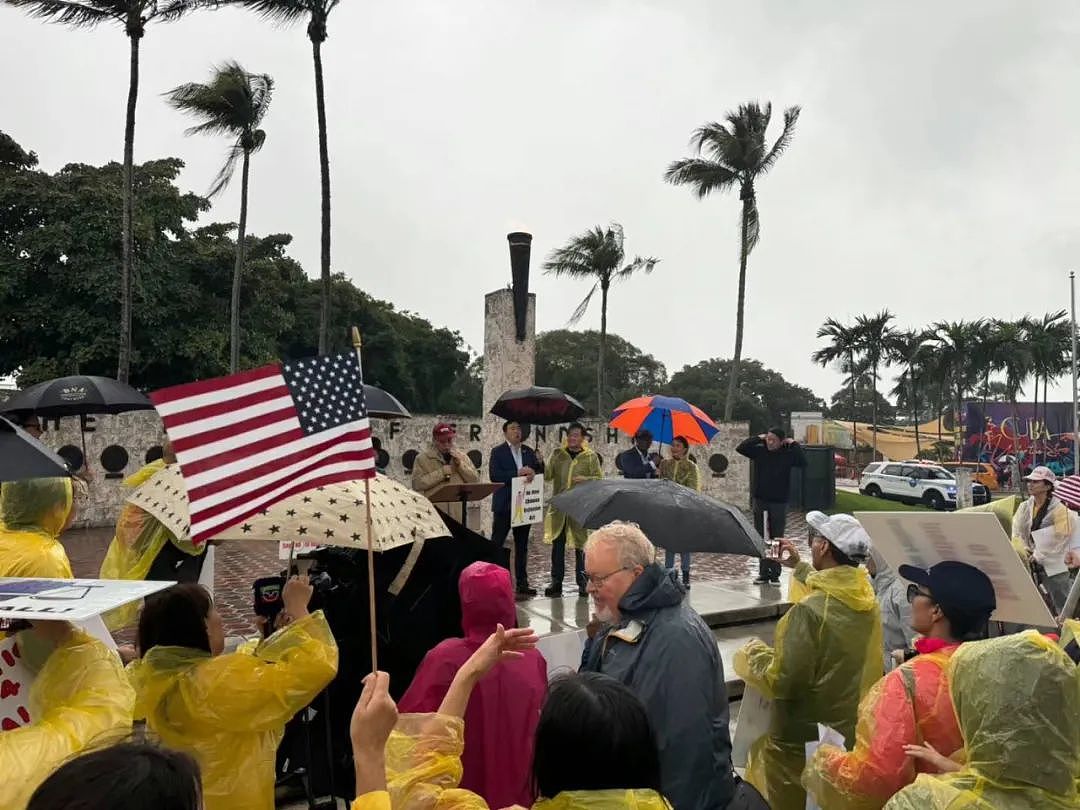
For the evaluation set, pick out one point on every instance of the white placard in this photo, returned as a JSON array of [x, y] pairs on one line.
[[826, 736], [15, 680], [976, 538], [526, 501], [562, 651], [297, 546], [755, 715], [69, 599], [206, 573]]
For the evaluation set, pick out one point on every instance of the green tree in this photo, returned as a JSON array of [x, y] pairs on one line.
[[735, 154], [1050, 343], [867, 400], [955, 344], [764, 398], [1015, 359], [234, 103], [317, 13], [908, 349], [875, 337], [133, 15], [597, 255], [630, 372], [842, 351]]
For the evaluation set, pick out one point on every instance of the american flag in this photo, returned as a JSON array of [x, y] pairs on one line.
[[246, 441]]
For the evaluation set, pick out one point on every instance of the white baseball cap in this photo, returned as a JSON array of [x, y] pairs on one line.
[[843, 531], [1041, 474]]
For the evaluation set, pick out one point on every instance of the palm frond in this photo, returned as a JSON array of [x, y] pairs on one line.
[[791, 115], [224, 177], [639, 264], [705, 176], [282, 12], [579, 313], [714, 139], [753, 226], [77, 15], [175, 9]]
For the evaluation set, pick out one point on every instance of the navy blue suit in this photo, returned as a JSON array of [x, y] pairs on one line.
[[502, 469], [632, 465]]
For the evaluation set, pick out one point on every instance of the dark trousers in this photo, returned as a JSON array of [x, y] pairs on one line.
[[173, 565], [500, 527], [770, 569], [558, 562]]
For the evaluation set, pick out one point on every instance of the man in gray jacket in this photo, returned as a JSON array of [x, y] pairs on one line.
[[654, 643]]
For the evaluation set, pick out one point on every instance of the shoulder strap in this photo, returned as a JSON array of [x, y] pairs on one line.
[[908, 675]]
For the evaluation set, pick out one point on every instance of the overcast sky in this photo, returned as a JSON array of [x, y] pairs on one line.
[[935, 169]]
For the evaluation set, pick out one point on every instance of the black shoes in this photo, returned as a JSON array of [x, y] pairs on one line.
[[525, 593], [554, 589]]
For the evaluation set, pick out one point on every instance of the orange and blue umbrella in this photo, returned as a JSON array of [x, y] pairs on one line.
[[665, 418]]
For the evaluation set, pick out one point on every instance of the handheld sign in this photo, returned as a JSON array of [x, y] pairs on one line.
[[70, 600], [526, 501]]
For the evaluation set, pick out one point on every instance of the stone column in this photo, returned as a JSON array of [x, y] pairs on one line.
[[508, 363]]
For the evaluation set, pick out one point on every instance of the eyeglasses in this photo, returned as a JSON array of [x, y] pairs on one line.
[[598, 581], [913, 591]]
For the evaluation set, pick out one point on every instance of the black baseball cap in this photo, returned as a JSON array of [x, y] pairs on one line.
[[954, 584]]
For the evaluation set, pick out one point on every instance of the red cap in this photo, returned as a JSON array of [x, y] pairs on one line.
[[442, 430]]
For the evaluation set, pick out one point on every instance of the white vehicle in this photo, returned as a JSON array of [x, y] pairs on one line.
[[911, 483]]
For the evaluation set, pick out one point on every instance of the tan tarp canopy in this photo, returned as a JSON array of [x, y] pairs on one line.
[[893, 442]]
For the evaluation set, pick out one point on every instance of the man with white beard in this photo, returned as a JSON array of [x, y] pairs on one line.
[[654, 643]]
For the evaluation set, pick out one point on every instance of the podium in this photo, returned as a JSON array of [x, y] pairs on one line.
[[463, 493]]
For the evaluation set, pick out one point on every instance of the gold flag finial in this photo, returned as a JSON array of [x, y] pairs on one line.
[[355, 337]]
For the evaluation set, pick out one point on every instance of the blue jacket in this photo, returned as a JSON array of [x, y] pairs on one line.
[[633, 466], [502, 469]]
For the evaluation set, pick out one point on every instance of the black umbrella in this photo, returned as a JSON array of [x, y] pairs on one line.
[[78, 395], [23, 456], [672, 516], [537, 406], [384, 405]]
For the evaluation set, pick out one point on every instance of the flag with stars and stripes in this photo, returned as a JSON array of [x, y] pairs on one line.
[[246, 441]]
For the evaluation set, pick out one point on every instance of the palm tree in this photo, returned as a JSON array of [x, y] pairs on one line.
[[874, 336], [955, 344], [597, 254], [134, 16], [317, 12], [1015, 359], [1050, 343], [987, 358], [907, 348], [843, 350], [233, 104], [735, 155]]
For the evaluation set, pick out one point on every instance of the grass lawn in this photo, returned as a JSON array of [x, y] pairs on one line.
[[850, 502]]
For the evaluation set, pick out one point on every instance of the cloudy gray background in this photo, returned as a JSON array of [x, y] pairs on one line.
[[935, 169]]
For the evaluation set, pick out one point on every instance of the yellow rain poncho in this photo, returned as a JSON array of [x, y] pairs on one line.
[[81, 697], [1018, 703], [423, 768], [33, 513], [138, 540], [229, 711], [561, 470], [826, 657]]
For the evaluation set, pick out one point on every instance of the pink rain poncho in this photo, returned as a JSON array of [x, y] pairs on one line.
[[505, 706]]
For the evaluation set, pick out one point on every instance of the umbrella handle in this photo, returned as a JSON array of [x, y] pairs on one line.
[[371, 576]]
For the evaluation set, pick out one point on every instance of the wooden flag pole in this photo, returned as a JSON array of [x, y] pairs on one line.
[[370, 540]]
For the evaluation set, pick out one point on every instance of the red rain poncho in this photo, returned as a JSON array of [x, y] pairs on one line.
[[505, 706], [909, 706]]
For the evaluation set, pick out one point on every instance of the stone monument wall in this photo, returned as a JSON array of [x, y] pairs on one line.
[[120, 445]]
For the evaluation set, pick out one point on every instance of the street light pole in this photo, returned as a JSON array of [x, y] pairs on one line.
[[1076, 417]]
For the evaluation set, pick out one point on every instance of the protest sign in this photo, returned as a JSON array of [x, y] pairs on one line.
[[69, 599], [15, 680], [826, 736], [295, 546], [562, 651], [755, 714], [976, 538], [526, 501]]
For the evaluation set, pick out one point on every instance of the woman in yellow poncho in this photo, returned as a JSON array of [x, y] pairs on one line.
[[826, 657], [572, 464], [80, 698], [138, 541], [228, 711], [681, 469], [595, 749], [1018, 704], [33, 514]]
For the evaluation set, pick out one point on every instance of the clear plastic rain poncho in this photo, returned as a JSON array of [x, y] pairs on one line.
[[229, 711], [1017, 700], [80, 698], [423, 769], [826, 657], [33, 513], [138, 540], [912, 705]]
